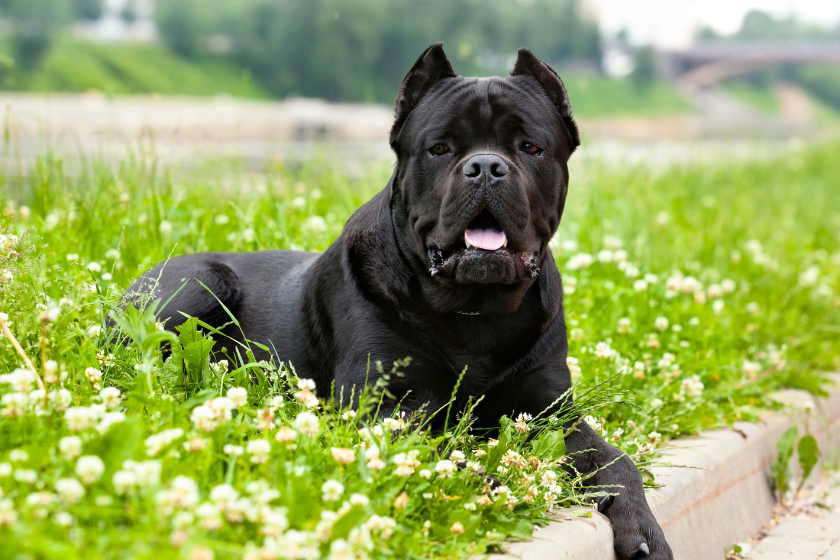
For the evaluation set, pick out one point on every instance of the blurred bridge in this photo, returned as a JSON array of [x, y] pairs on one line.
[[707, 63]]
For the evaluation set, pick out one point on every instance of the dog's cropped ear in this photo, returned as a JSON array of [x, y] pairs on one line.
[[432, 67], [529, 65]]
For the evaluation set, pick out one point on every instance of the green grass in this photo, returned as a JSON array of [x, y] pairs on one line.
[[75, 66], [691, 295], [595, 96]]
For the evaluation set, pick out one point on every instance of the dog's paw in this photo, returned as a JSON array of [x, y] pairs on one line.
[[638, 536]]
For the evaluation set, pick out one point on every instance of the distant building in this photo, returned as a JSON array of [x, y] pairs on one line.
[[122, 20]]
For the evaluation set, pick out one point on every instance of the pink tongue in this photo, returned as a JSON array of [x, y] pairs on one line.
[[488, 239]]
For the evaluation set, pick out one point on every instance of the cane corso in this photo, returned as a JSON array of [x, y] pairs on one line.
[[449, 264]]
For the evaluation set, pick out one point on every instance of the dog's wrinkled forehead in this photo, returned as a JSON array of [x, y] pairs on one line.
[[482, 112]]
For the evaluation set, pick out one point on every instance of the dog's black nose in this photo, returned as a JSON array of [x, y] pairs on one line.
[[485, 167]]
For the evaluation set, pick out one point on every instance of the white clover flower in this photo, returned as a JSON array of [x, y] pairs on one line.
[[374, 461], [18, 456], [620, 256], [108, 420], [224, 495], [661, 323], [640, 285], [579, 261], [26, 476], [630, 270], [275, 522], [61, 398], [110, 397], [21, 380], [444, 468], [233, 450], [165, 228], [147, 472], [94, 331], [605, 256], [425, 473], [5, 470], [94, 267], [348, 415], [8, 515], [200, 552], [204, 418], [751, 369], [63, 519], [259, 450], [574, 367], [238, 396], [314, 224], [307, 423], [604, 351], [94, 375], [14, 404], [406, 462], [156, 442], [332, 490], [80, 418], [596, 423], [124, 481], [717, 306], [522, 422], [182, 493], [692, 387], [70, 447], [624, 325], [248, 235], [654, 436], [384, 526], [209, 516], [89, 468], [343, 455], [112, 254], [359, 500], [656, 403], [727, 286], [222, 407]]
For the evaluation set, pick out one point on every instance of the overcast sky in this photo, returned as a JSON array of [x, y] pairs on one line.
[[672, 23]]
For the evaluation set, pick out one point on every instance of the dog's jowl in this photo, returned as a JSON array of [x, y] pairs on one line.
[[449, 264]]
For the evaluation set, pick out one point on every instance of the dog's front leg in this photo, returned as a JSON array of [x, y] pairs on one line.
[[637, 533]]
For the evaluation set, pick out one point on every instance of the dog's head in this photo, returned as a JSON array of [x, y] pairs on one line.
[[481, 178]]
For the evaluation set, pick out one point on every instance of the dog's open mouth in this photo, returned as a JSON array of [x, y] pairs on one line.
[[484, 239], [484, 232]]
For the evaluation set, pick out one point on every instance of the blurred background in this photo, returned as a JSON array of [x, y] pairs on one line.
[[649, 80]]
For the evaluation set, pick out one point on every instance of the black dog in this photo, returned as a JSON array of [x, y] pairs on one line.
[[449, 264]]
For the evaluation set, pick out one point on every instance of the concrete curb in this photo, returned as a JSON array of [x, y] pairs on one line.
[[724, 497]]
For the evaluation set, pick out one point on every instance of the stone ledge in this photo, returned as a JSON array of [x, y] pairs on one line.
[[723, 497]]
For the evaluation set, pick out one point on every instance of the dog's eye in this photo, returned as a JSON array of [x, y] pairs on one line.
[[531, 149], [439, 149]]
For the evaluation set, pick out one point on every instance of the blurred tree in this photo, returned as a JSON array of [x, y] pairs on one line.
[[34, 24], [183, 23], [87, 9], [360, 49], [644, 68], [129, 12]]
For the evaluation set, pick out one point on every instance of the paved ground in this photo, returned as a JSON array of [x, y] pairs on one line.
[[809, 532]]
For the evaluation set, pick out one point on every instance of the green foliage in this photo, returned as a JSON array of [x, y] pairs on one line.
[[360, 50], [781, 466], [808, 452], [34, 24]]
